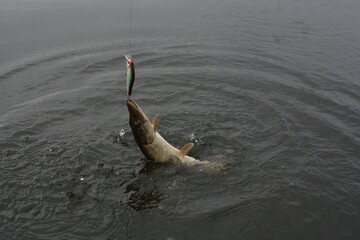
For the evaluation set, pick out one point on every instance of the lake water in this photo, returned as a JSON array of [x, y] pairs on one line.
[[269, 89]]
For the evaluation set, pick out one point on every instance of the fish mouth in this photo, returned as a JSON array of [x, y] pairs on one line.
[[135, 111]]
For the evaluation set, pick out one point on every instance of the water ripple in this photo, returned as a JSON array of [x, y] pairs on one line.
[[286, 132]]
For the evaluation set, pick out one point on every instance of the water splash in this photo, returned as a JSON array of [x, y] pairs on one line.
[[121, 135], [194, 138]]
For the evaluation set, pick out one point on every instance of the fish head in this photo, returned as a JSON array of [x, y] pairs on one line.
[[140, 125], [129, 60]]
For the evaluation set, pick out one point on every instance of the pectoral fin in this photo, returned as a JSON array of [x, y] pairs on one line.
[[155, 122], [147, 116], [186, 148]]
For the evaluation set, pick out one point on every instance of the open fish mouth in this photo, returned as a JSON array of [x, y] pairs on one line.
[[135, 111]]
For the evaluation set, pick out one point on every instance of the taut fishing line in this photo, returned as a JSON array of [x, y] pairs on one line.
[[130, 26]]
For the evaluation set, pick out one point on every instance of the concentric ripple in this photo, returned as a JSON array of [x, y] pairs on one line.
[[274, 100]]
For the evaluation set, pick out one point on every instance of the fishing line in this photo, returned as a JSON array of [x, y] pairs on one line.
[[130, 26]]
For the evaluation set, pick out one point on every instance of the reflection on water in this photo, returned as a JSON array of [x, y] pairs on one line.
[[143, 192]]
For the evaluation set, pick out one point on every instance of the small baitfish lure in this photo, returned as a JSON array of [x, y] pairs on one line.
[[129, 74]]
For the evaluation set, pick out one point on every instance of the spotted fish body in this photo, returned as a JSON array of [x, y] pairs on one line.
[[129, 74], [151, 143]]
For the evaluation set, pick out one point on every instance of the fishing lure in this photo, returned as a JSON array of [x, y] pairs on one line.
[[129, 74]]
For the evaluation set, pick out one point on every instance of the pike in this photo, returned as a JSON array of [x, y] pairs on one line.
[[151, 143]]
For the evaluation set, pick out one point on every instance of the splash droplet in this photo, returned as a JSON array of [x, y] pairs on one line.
[[194, 138], [122, 133]]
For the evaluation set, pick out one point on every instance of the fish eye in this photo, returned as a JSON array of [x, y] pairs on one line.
[[138, 124]]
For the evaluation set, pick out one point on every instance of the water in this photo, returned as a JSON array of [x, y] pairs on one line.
[[268, 88]]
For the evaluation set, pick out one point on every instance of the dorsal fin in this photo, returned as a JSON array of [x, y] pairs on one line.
[[186, 148], [147, 116], [155, 122]]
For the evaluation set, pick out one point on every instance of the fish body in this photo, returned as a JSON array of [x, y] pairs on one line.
[[151, 143], [129, 74]]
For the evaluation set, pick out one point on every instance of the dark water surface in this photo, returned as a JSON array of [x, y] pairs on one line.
[[268, 88]]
